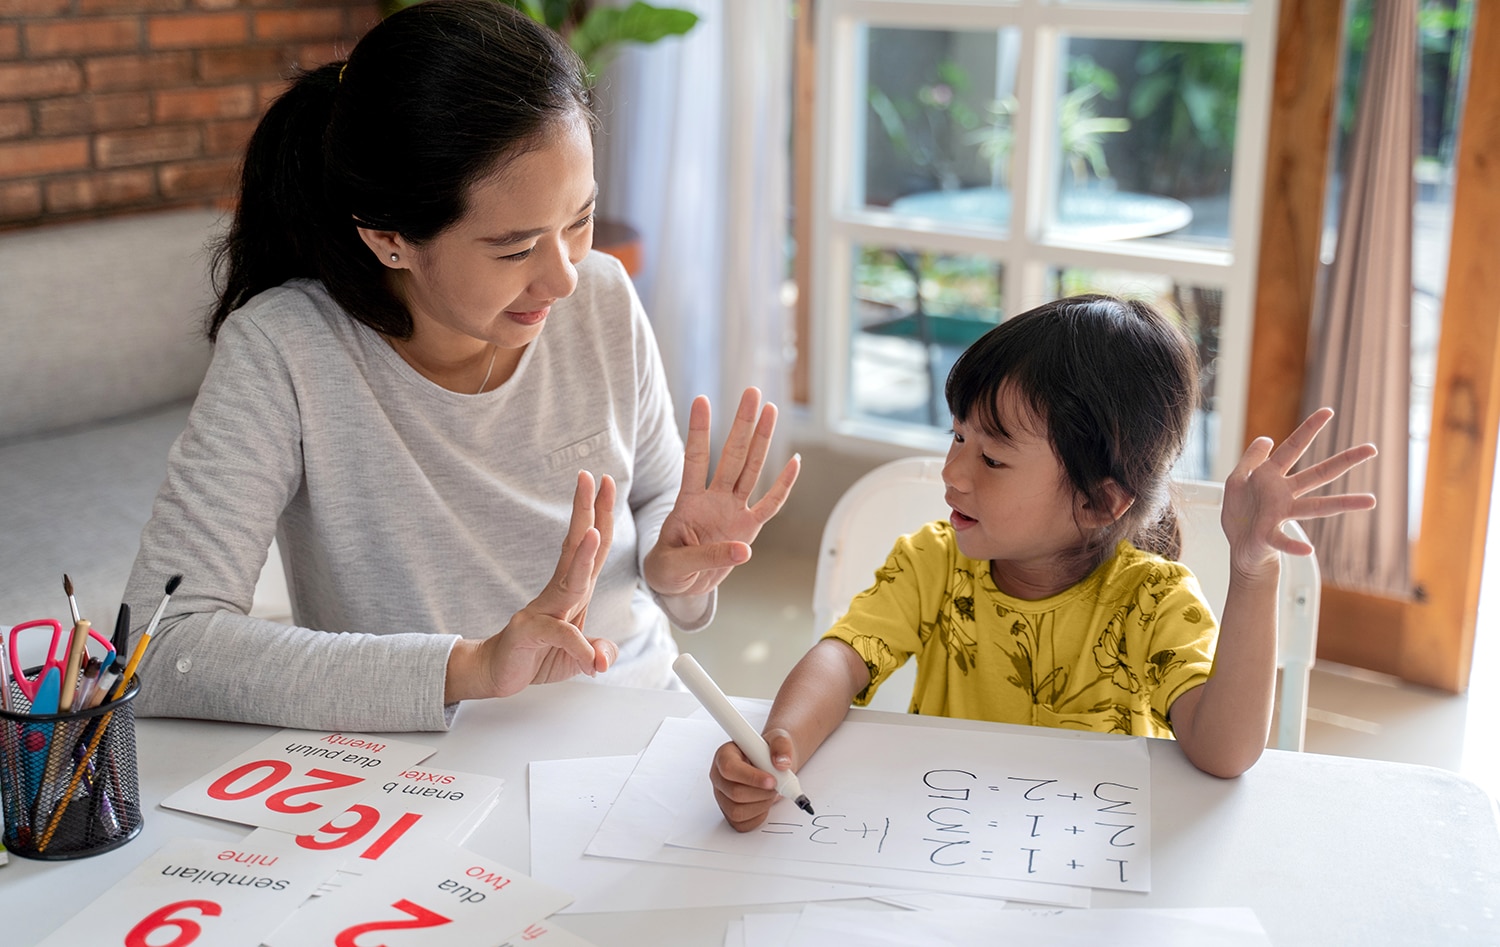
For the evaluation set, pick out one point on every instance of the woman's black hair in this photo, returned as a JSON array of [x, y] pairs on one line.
[[432, 100], [1115, 383]]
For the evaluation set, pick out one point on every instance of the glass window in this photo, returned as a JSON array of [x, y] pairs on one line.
[[915, 312], [937, 124], [1144, 140]]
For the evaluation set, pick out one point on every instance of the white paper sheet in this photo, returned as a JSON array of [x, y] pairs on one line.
[[768, 930], [569, 798], [957, 802], [662, 795], [821, 926]]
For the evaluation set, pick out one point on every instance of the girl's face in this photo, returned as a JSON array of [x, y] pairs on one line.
[[492, 277], [1012, 502]]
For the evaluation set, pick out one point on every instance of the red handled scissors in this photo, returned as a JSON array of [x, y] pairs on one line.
[[57, 653]]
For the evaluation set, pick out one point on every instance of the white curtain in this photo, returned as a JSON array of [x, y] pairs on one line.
[[693, 154]]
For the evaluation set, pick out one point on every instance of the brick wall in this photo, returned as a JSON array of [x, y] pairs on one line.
[[117, 106]]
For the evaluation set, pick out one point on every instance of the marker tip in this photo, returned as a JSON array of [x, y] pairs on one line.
[[804, 805]]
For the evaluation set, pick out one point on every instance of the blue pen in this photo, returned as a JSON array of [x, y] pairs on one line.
[[35, 737]]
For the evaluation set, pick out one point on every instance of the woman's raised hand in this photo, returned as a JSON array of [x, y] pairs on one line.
[[544, 642], [710, 529]]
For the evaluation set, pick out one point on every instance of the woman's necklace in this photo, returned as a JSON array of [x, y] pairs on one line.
[[493, 352]]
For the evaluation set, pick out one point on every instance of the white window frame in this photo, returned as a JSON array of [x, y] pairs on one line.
[[840, 222]]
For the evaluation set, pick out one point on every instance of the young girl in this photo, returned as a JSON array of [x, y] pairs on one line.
[[415, 354], [1051, 597]]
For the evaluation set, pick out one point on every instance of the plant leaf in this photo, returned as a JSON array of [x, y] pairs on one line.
[[606, 27]]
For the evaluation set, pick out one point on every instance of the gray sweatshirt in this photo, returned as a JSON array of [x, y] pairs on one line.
[[407, 514]]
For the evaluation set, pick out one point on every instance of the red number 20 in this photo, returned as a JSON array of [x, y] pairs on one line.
[[187, 931]]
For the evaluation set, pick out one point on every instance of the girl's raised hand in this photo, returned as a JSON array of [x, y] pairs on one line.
[[544, 642], [711, 527], [1262, 494]]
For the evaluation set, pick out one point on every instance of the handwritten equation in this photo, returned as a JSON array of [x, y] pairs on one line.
[[1056, 810]]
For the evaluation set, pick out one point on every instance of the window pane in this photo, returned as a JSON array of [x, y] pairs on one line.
[[1197, 309], [914, 313], [937, 107], [1145, 140]]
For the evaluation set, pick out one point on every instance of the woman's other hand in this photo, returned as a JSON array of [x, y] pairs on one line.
[[711, 527]]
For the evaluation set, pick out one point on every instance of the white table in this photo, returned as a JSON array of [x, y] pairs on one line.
[[1326, 850]]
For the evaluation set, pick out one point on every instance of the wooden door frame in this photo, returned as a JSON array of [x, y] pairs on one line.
[[1427, 637]]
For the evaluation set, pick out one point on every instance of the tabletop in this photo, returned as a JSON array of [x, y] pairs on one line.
[[1324, 849], [1092, 213]]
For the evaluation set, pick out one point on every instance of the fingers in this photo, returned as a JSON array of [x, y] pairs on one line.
[[573, 581], [771, 504], [696, 457], [580, 520], [737, 446], [1320, 507], [1326, 471], [687, 563], [760, 447], [1291, 450], [744, 794], [782, 751], [604, 521], [606, 652]]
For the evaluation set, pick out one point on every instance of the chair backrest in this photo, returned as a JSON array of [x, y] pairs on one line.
[[900, 496], [893, 499]]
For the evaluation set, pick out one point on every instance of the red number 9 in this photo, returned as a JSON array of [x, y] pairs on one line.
[[187, 931]]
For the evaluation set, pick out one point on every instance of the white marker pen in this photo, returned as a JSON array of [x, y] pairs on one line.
[[752, 744]]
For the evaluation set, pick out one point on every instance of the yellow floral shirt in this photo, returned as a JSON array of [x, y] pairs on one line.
[[1109, 654]]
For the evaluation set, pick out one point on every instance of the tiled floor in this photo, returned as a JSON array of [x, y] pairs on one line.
[[764, 625]]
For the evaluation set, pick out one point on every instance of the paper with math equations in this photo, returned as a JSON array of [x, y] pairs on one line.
[[418, 802], [230, 894], [1062, 808], [435, 894], [296, 780]]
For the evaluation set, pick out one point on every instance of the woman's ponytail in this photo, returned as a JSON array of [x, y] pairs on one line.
[[282, 221]]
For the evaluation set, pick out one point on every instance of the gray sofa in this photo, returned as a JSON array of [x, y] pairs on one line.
[[101, 352]]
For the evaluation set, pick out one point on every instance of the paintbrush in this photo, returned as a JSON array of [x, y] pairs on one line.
[[172, 584], [72, 602]]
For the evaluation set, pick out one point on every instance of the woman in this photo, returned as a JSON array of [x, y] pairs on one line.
[[416, 355]]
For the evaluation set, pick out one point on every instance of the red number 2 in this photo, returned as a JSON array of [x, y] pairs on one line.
[[161, 918], [420, 917]]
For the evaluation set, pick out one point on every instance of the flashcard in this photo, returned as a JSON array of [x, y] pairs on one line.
[[414, 802], [435, 894], [295, 780], [230, 894]]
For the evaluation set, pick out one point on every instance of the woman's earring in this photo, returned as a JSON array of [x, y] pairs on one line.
[[395, 257]]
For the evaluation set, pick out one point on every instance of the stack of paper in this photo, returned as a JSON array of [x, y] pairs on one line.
[[998, 815]]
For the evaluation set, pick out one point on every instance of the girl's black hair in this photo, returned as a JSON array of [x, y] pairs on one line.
[[1115, 383], [432, 100]]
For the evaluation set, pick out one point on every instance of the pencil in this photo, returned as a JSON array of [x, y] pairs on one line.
[[119, 690]]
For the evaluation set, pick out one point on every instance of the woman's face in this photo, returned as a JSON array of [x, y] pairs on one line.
[[492, 277]]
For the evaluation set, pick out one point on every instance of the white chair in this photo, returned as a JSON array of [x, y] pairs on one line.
[[900, 496]]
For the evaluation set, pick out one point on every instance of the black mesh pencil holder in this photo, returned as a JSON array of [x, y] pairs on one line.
[[68, 782]]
